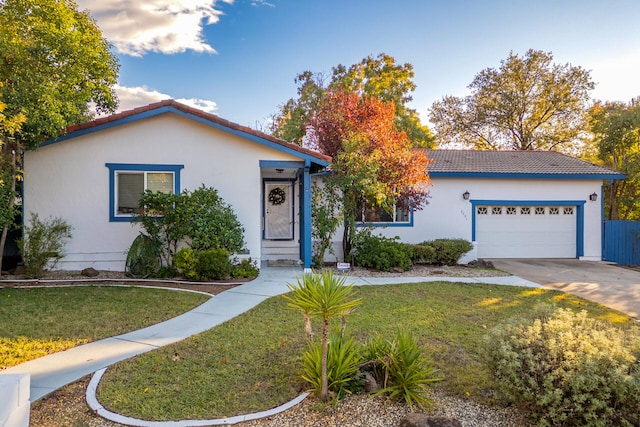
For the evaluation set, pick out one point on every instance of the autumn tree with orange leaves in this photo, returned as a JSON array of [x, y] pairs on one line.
[[373, 163]]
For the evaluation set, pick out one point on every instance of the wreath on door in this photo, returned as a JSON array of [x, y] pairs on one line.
[[277, 196]]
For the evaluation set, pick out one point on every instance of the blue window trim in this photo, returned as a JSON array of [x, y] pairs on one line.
[[137, 167], [388, 224], [291, 182], [579, 204]]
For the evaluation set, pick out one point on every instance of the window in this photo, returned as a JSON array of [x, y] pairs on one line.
[[511, 210], [127, 182], [568, 210], [540, 211], [401, 216], [554, 211], [496, 210], [482, 210], [525, 210]]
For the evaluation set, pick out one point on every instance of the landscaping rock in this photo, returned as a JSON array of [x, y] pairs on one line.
[[89, 272], [480, 263], [422, 420], [370, 383]]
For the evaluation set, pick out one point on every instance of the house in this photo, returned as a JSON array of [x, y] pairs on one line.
[[510, 204], [92, 177], [525, 204]]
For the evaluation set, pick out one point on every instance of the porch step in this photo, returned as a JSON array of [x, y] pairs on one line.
[[283, 263]]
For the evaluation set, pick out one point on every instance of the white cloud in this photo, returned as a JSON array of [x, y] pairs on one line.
[[258, 3], [616, 77], [167, 26], [132, 97]]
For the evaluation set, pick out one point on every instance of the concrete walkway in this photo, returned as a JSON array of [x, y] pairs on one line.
[[56, 370]]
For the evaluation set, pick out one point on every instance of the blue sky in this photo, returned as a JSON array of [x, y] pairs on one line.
[[239, 58]]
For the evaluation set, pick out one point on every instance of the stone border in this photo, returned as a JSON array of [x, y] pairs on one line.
[[99, 410]]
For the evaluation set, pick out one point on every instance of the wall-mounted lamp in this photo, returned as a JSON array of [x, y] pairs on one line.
[[466, 195], [279, 170], [593, 197]]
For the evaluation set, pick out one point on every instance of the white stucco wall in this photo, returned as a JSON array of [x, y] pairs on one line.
[[69, 179], [448, 215]]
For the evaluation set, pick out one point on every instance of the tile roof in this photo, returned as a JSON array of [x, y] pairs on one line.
[[513, 163], [170, 103]]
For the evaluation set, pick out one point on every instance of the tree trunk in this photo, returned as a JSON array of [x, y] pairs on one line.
[[324, 390], [12, 203]]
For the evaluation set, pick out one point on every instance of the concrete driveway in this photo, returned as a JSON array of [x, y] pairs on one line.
[[610, 285]]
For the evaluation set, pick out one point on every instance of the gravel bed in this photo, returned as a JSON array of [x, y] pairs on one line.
[[67, 407]]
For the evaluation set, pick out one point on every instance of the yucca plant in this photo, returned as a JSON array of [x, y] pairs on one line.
[[325, 296], [343, 365], [407, 372]]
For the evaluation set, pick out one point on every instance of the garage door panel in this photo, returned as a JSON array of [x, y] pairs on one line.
[[526, 232]]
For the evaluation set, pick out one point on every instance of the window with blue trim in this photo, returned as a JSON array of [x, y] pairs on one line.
[[127, 183], [376, 214]]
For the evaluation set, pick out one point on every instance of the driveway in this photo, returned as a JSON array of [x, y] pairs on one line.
[[610, 285]]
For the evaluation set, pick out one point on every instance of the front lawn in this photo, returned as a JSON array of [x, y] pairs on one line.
[[35, 322], [252, 362]]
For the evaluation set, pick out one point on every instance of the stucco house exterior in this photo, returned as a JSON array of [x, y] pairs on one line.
[[93, 175], [509, 204]]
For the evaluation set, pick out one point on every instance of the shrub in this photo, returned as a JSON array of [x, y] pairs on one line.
[[43, 243], [381, 253], [568, 369], [144, 257], [402, 369], [245, 269], [200, 217], [343, 360], [213, 222], [423, 254], [449, 251], [203, 265], [185, 261]]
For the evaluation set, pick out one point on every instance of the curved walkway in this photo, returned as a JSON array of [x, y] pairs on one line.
[[52, 372]]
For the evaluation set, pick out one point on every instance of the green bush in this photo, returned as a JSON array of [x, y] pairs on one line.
[[423, 254], [381, 253], [343, 360], [448, 251], [211, 264], [402, 369], [567, 369], [43, 243], [201, 218], [245, 269]]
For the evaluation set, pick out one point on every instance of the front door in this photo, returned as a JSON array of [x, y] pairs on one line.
[[278, 210]]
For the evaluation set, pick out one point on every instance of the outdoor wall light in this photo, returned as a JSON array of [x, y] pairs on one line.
[[593, 197], [466, 195]]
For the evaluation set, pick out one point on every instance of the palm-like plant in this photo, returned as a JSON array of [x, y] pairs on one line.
[[325, 296]]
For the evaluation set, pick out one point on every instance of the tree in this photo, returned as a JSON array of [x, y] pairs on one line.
[[55, 66], [373, 163], [616, 130], [529, 103], [378, 77]]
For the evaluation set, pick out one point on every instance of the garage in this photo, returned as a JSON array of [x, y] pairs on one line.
[[526, 231]]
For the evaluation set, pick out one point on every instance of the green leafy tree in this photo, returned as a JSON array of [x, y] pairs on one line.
[[55, 67], [529, 103], [380, 77], [616, 130]]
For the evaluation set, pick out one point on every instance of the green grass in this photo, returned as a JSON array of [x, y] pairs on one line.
[[35, 322], [253, 362]]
